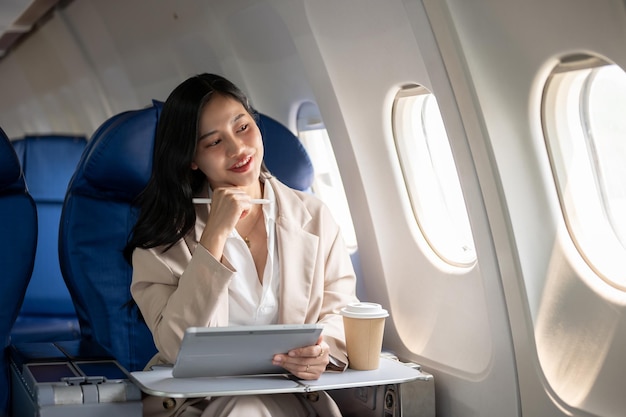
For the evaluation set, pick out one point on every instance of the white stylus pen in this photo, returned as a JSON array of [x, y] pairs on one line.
[[208, 201]]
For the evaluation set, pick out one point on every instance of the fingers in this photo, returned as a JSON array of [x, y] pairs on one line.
[[303, 369], [314, 351], [231, 200], [308, 362], [322, 352], [228, 205]]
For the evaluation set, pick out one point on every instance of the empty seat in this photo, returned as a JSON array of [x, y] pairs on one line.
[[18, 242], [48, 162]]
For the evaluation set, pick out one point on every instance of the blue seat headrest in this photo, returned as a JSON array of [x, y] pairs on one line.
[[10, 169], [285, 155], [121, 163]]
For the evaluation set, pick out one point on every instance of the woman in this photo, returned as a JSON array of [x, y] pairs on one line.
[[233, 262]]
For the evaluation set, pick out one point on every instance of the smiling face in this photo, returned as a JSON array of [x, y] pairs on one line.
[[230, 149]]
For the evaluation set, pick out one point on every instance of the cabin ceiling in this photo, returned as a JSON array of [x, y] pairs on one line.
[[20, 17]]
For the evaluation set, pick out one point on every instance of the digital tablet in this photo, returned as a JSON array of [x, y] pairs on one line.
[[239, 350]]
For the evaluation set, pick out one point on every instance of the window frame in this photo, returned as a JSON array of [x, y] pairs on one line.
[[464, 256], [575, 169]]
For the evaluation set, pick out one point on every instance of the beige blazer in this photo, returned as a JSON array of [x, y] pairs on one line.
[[186, 286]]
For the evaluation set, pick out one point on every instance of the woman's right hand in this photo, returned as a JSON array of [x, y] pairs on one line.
[[228, 206]]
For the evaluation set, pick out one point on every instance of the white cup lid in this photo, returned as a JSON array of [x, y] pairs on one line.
[[364, 311]]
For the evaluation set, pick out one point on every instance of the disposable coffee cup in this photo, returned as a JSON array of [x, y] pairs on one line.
[[364, 325]]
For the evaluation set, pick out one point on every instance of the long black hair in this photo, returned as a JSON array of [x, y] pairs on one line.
[[166, 211]]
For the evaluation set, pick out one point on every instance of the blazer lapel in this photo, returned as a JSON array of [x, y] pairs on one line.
[[296, 272], [293, 241]]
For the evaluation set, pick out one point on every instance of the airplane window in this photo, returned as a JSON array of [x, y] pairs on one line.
[[327, 184], [583, 107], [431, 177]]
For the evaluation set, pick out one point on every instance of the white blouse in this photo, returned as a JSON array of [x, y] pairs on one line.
[[250, 302]]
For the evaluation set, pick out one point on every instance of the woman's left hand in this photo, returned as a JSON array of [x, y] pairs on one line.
[[307, 362]]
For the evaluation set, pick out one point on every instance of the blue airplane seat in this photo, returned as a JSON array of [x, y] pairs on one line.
[[96, 220], [285, 156], [48, 162], [18, 243], [98, 216]]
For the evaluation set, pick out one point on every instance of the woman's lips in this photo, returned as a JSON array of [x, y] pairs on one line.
[[242, 165]]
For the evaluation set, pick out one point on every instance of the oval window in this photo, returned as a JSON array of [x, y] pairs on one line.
[[327, 183], [431, 176], [583, 110]]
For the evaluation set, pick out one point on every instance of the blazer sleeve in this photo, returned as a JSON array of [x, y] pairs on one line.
[[175, 290]]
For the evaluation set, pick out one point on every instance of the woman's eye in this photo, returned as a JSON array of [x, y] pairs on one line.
[[213, 143], [243, 127]]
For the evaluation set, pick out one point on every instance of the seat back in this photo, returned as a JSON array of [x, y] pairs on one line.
[[96, 220], [18, 242], [98, 216], [48, 162], [285, 156]]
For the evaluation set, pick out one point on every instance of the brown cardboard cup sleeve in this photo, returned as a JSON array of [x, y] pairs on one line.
[[364, 325]]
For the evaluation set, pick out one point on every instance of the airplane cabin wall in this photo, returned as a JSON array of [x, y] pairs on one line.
[[368, 51], [568, 324]]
